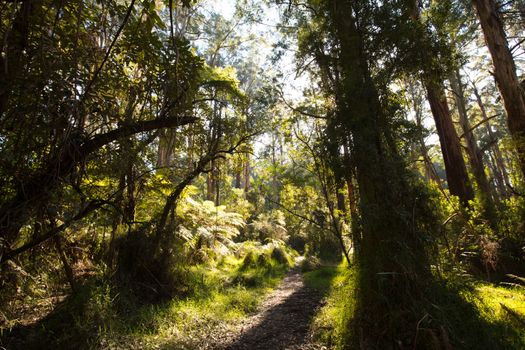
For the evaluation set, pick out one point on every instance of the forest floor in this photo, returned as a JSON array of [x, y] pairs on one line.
[[281, 322]]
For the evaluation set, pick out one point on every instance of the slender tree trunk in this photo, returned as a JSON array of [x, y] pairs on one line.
[[167, 141], [352, 202], [417, 100], [246, 174], [238, 178], [504, 72], [217, 181], [500, 186], [16, 41], [210, 183], [474, 154], [65, 263], [129, 209], [500, 163], [457, 177]]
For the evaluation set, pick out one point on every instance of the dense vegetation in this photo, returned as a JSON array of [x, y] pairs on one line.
[[164, 163]]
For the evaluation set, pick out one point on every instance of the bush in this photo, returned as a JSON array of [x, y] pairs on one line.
[[149, 272], [249, 261], [310, 263], [280, 255], [270, 226]]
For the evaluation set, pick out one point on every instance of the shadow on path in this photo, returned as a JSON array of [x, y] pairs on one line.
[[283, 321]]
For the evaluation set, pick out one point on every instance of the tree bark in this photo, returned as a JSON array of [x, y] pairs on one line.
[[501, 174], [474, 154], [457, 177], [392, 262], [246, 173], [504, 72]]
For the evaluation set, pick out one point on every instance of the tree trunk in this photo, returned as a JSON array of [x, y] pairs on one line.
[[167, 141], [457, 177], [474, 154], [238, 178], [393, 267], [500, 186], [217, 181], [14, 55], [504, 72], [246, 173], [352, 202], [499, 162], [417, 100], [65, 263], [211, 183]]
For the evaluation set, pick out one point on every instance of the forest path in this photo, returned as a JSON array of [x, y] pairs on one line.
[[282, 321]]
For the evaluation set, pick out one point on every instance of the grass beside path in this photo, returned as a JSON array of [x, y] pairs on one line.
[[219, 295], [474, 311], [229, 292]]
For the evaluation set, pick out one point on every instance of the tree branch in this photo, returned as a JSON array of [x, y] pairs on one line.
[[106, 57], [478, 124], [92, 206], [130, 129]]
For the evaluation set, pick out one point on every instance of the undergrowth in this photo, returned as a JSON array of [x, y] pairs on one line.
[[475, 315], [220, 293]]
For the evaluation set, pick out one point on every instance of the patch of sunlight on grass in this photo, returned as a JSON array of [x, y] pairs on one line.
[[227, 292], [321, 279], [495, 296], [501, 306], [337, 283], [500, 309]]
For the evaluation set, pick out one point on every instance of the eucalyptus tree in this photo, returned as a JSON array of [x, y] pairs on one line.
[[455, 26], [504, 71], [344, 39], [431, 65]]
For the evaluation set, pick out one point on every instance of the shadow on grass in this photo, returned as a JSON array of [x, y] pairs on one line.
[[454, 309], [443, 318], [74, 323], [98, 314]]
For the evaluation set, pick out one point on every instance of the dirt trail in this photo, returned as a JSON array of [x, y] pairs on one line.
[[283, 320]]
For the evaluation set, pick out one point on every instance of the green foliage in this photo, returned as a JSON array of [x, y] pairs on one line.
[[268, 226], [218, 294], [511, 223], [207, 228], [475, 316]]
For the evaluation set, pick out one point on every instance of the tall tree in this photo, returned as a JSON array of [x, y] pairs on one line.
[[457, 176], [504, 72], [474, 153], [393, 262]]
